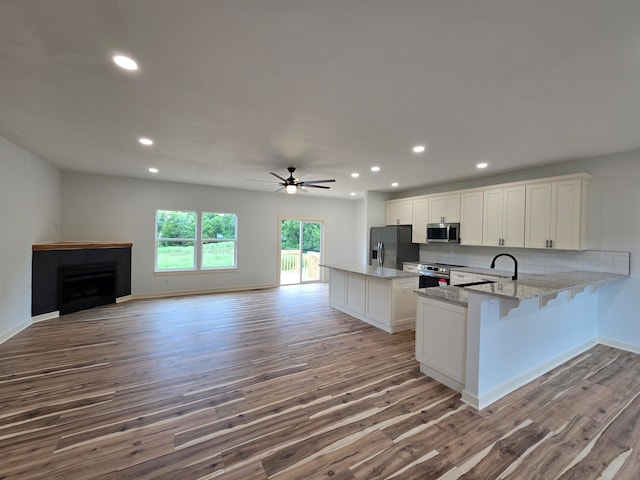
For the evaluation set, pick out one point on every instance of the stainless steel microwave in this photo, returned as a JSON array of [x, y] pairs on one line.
[[443, 232]]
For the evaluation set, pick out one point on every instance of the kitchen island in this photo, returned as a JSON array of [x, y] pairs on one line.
[[488, 340], [382, 297]]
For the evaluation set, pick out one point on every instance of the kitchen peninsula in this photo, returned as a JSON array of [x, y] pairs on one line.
[[488, 340], [382, 297]]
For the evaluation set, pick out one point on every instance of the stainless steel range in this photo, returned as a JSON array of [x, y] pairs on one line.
[[434, 274]]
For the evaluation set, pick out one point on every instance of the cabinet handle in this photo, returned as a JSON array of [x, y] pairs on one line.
[[551, 243]]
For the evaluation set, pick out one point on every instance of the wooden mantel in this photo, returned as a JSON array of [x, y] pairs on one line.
[[79, 245]]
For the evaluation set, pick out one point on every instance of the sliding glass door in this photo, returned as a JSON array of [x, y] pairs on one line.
[[300, 251]]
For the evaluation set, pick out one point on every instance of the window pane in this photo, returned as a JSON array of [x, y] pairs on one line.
[[218, 226], [175, 224], [218, 254], [175, 255]]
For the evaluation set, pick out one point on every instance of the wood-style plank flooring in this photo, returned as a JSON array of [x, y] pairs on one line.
[[276, 384]]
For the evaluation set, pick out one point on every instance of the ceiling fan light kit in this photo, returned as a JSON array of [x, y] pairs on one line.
[[291, 184]]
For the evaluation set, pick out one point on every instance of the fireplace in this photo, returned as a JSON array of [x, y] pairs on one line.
[[71, 276], [86, 286]]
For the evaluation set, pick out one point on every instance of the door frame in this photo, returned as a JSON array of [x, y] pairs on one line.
[[323, 226]]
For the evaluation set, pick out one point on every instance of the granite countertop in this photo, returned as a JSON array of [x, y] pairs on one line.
[[371, 271], [449, 294], [527, 286]]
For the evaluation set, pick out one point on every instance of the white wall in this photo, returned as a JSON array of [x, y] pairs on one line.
[[30, 213], [98, 207]]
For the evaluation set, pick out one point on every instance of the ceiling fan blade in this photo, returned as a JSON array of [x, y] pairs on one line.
[[316, 186], [311, 182], [278, 176]]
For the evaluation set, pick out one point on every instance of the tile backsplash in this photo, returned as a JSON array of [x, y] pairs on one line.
[[529, 260]]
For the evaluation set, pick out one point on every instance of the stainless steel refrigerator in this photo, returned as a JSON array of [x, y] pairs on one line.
[[390, 246]]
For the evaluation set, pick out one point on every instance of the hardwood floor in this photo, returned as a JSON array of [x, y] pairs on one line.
[[275, 384]]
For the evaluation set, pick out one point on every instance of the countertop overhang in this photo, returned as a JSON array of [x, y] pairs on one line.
[[371, 271], [527, 286]]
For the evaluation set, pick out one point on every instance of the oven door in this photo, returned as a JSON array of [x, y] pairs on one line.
[[427, 281]]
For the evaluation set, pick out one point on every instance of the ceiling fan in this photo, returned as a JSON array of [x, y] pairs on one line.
[[291, 184]]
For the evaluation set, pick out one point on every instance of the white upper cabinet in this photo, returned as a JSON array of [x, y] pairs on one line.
[[444, 208], [556, 214], [399, 212], [471, 217], [538, 216], [503, 217], [543, 213], [420, 220]]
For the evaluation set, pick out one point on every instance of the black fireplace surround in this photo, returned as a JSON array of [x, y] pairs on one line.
[[67, 280]]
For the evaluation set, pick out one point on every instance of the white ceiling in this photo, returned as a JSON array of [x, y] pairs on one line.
[[231, 90]]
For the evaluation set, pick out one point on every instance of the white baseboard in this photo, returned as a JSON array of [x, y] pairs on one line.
[[487, 398], [140, 296], [629, 347], [125, 298], [4, 336], [45, 316]]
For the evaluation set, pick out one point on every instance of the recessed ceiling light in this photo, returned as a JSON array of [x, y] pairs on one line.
[[153, 170], [355, 174], [375, 169], [353, 194], [419, 149], [482, 165], [394, 184], [145, 141], [125, 62]]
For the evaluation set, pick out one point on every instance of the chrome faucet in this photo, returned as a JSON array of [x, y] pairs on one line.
[[515, 263]]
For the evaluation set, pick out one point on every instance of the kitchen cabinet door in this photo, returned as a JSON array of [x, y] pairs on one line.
[[399, 212], [420, 220], [356, 293], [444, 208], [471, 211], [513, 215], [441, 341], [556, 215], [538, 216], [566, 218], [492, 217], [503, 218]]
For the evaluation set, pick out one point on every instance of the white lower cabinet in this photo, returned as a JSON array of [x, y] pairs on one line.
[[385, 303], [441, 341], [356, 292]]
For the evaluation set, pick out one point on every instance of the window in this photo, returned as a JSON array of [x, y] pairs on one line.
[[218, 240], [182, 245]]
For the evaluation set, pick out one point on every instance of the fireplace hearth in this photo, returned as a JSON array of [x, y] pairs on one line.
[[86, 286]]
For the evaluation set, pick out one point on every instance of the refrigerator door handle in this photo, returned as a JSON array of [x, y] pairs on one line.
[[381, 255]]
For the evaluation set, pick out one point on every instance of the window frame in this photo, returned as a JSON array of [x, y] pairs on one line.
[[199, 243], [203, 241]]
